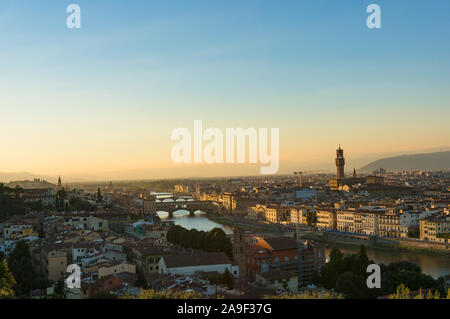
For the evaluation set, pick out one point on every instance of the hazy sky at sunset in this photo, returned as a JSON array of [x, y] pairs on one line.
[[103, 100]]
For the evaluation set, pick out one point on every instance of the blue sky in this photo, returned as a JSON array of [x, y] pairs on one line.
[[138, 69]]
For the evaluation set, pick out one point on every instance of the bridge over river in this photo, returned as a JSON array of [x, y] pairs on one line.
[[173, 203]]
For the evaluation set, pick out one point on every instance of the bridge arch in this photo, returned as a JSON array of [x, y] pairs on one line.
[[171, 212]]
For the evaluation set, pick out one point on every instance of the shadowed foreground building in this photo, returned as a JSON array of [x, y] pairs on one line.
[[264, 255], [193, 263], [311, 258]]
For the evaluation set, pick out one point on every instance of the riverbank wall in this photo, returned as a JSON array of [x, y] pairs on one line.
[[376, 242]]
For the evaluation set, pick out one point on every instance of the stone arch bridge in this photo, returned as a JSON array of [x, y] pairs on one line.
[[154, 206]]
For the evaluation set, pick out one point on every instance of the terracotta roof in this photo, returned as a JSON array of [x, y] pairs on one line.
[[149, 250], [281, 243], [198, 259]]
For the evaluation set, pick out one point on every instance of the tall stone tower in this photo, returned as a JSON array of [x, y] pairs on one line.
[[239, 250], [59, 184], [340, 162]]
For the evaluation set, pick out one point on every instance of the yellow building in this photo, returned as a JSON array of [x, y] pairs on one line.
[[435, 228], [345, 221], [146, 258], [256, 212], [53, 263], [299, 216], [228, 201], [389, 224], [116, 269], [326, 219], [366, 223], [17, 229], [278, 214]]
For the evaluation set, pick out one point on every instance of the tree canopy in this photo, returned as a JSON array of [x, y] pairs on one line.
[[20, 264], [347, 275], [10, 202], [7, 281], [214, 240]]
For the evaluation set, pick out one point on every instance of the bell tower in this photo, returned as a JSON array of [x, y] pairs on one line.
[[239, 250], [59, 184], [340, 162]]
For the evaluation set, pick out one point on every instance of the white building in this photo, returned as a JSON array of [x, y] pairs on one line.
[[412, 218], [198, 262], [84, 221], [345, 221], [8, 245], [12, 230]]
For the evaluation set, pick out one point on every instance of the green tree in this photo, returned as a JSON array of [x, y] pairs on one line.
[[353, 286], [214, 240], [141, 281], [60, 292], [99, 196], [394, 274], [333, 269], [403, 266], [10, 202], [413, 233], [402, 292], [361, 262], [227, 279], [77, 204], [22, 269], [61, 197], [7, 281]]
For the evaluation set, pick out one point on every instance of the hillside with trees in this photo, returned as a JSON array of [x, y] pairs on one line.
[[10, 202]]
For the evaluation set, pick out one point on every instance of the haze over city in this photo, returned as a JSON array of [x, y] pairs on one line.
[[102, 101]]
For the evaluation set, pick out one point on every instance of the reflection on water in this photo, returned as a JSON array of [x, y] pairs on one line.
[[199, 221], [432, 265]]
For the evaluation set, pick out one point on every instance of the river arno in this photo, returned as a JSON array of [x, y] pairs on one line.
[[433, 265], [199, 222]]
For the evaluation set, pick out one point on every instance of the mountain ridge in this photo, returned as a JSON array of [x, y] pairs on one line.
[[419, 161]]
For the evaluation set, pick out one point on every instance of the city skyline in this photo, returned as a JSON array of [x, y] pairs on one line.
[[187, 171], [102, 101]]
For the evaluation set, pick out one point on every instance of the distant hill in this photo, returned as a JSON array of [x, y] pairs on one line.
[[429, 161], [6, 177], [30, 184]]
